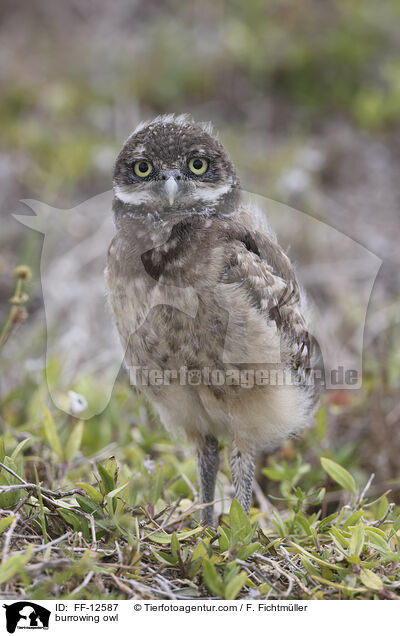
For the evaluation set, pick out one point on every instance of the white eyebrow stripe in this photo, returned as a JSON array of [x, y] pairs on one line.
[[204, 192], [134, 198], [139, 150]]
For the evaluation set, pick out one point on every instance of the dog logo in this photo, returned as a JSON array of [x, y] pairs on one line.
[[26, 615]]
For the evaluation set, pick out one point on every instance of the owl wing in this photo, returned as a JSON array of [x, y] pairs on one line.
[[252, 260], [258, 264]]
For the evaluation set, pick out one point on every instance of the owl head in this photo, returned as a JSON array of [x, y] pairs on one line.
[[174, 165]]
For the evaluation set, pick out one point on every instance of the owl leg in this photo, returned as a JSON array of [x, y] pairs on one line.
[[207, 465], [242, 470]]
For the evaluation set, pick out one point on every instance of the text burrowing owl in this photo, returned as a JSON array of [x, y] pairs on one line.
[[204, 298]]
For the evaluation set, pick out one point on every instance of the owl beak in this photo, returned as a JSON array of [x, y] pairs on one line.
[[171, 188]]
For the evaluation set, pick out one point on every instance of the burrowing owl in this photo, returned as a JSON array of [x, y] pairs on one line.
[[206, 302]]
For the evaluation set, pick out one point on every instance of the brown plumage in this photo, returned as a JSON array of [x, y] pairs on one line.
[[197, 282]]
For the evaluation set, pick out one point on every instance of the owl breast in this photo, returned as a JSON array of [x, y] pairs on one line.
[[201, 306]]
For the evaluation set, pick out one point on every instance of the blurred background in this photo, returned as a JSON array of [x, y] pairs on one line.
[[306, 97]]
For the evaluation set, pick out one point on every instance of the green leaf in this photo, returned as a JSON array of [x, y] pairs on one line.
[[378, 539], [9, 499], [165, 558], [303, 523], [343, 536], [164, 539], [88, 505], [308, 566], [327, 521], [275, 473], [234, 587], [92, 492], [201, 550], [371, 580], [111, 467], [279, 524], [239, 523], [339, 474], [74, 442], [111, 497], [338, 539], [353, 519], [156, 486], [378, 500], [2, 450], [396, 524], [333, 566], [107, 481], [211, 578], [315, 498], [175, 546], [264, 589], [357, 540], [326, 573], [376, 531], [231, 569], [4, 523], [223, 540], [117, 491], [382, 507], [9, 478], [21, 446], [70, 518], [14, 564], [50, 432], [247, 550]]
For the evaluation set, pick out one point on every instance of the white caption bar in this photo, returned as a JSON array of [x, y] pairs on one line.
[[87, 618]]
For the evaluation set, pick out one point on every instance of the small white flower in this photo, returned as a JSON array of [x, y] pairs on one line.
[[77, 403], [149, 464]]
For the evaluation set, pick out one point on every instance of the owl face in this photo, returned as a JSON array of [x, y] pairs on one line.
[[173, 164]]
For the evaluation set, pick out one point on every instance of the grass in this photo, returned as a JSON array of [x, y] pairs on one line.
[[108, 508], [131, 529]]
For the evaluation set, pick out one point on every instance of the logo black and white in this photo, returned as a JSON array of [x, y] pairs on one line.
[[26, 615]]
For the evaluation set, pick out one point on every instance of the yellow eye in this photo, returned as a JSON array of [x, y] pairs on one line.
[[198, 165], [142, 168]]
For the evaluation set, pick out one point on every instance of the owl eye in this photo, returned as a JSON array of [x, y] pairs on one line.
[[142, 168], [198, 165]]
